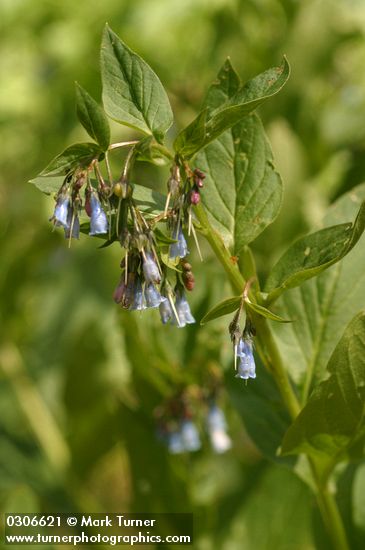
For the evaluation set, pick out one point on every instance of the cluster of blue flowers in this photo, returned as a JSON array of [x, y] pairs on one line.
[[140, 288], [144, 280], [68, 205]]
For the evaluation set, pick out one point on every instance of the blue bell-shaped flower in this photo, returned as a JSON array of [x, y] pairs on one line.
[[98, 219]]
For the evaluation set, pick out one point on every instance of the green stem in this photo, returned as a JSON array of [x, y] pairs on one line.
[[329, 510], [267, 346], [270, 354]]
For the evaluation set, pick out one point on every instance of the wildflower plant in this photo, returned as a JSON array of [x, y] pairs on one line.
[[224, 187]]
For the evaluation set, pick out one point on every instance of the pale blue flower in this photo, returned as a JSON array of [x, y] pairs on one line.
[[152, 296], [190, 436], [150, 269], [166, 312], [138, 298], [246, 364], [217, 429], [98, 220], [61, 211], [180, 248], [75, 225], [216, 419], [175, 443], [183, 310]]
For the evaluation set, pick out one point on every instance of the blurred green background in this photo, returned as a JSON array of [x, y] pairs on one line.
[[81, 379]]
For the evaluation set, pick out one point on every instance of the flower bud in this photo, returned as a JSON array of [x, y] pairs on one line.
[[194, 196], [188, 280]]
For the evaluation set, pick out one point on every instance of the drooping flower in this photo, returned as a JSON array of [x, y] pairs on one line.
[[138, 298], [61, 212], [180, 248], [182, 309], [217, 429], [246, 364], [166, 312], [152, 296], [98, 220], [175, 442], [73, 225], [190, 436], [150, 269]]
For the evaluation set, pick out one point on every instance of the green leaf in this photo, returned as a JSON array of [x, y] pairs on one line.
[[223, 88], [132, 93], [48, 184], [92, 117], [312, 254], [332, 424], [264, 312], [235, 104], [243, 192], [192, 138], [322, 306], [223, 308], [77, 155]]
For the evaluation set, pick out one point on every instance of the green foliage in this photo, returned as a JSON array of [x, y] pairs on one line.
[[310, 255], [243, 192], [78, 155], [132, 93], [243, 101], [92, 117], [332, 424], [322, 306]]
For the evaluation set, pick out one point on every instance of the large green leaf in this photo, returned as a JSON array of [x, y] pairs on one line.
[[231, 104], [132, 92], [312, 254], [92, 117], [332, 424], [242, 192], [322, 306], [77, 155]]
